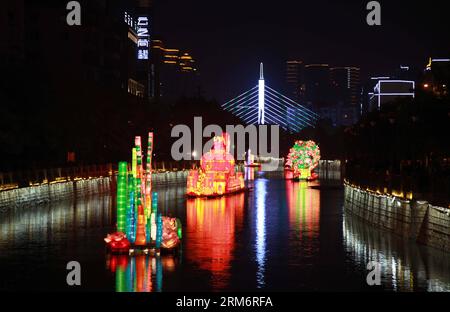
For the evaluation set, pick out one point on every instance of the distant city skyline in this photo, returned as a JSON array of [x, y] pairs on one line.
[[230, 39]]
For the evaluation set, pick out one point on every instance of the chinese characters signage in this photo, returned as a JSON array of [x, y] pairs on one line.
[[143, 37]]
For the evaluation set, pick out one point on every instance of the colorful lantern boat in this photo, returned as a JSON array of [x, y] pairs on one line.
[[217, 175], [302, 159], [139, 223]]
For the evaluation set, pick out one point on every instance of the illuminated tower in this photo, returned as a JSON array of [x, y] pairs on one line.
[[261, 87]]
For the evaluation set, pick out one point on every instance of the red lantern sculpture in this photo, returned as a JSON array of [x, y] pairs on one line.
[[217, 175], [117, 242]]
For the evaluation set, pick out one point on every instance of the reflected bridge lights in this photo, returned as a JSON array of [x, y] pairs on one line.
[[260, 229]]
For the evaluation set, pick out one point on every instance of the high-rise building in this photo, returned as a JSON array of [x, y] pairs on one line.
[[346, 84], [388, 90], [317, 85], [380, 90], [175, 71], [346, 92], [367, 94], [294, 79]]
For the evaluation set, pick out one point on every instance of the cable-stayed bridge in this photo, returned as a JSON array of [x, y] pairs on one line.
[[264, 105]]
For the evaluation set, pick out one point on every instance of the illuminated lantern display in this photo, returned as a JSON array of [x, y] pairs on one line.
[[171, 233], [159, 230], [302, 159], [148, 188], [131, 229], [122, 196], [139, 223], [217, 175], [117, 242], [140, 230], [153, 216]]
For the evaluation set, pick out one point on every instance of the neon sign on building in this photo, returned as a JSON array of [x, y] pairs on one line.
[[143, 35]]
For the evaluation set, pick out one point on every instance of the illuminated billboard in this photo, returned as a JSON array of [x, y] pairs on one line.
[[143, 34]]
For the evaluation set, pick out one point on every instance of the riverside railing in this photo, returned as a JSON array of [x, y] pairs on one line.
[[36, 177]]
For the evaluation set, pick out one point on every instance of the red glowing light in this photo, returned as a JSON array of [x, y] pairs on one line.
[[117, 242], [211, 226], [216, 175]]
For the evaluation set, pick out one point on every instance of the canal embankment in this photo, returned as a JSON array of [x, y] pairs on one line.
[[50, 185], [414, 220]]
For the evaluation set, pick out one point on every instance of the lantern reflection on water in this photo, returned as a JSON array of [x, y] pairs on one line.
[[304, 209], [211, 226], [141, 273], [139, 223]]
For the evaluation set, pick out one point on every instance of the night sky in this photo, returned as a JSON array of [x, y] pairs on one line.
[[229, 38]]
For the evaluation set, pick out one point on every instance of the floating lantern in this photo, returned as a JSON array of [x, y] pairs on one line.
[[139, 224], [217, 175], [302, 159]]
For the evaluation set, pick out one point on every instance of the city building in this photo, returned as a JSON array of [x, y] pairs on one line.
[[102, 52], [175, 71], [367, 93], [317, 84], [388, 90], [437, 76], [401, 82], [346, 84], [135, 86], [294, 79], [333, 92], [346, 90]]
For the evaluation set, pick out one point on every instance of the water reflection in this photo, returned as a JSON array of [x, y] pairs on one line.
[[260, 193], [282, 235], [405, 266], [64, 220], [140, 273], [304, 209], [210, 235]]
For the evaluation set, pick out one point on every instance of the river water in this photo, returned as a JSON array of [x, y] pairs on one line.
[[280, 236]]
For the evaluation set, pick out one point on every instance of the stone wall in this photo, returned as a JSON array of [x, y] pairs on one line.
[[34, 195], [29, 196], [415, 220]]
